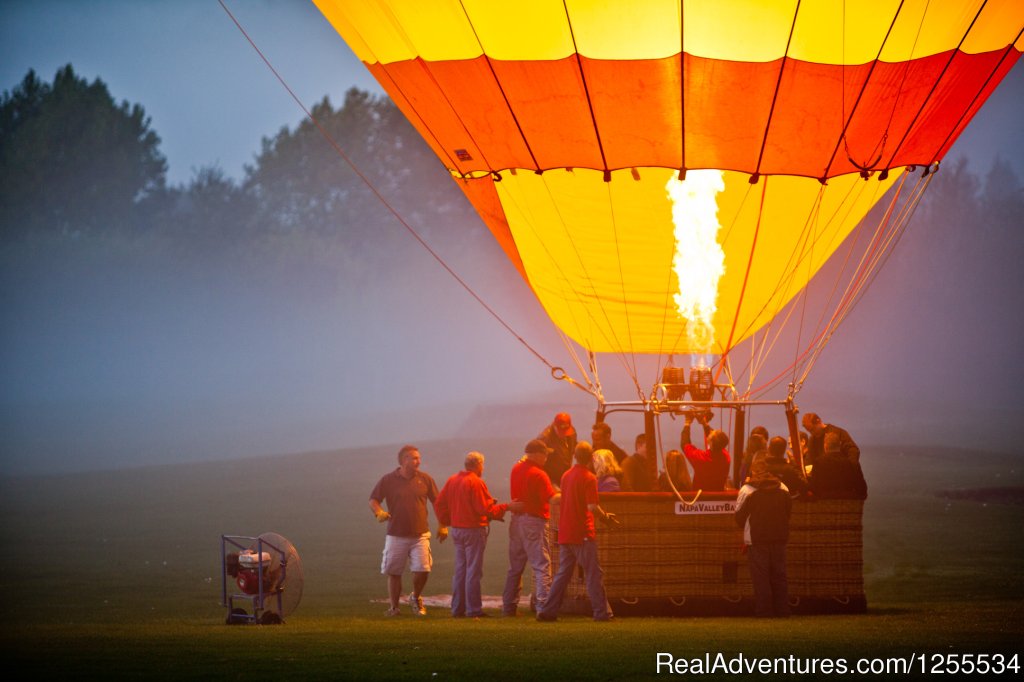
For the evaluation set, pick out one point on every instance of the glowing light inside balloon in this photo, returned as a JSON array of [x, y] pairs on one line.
[[699, 261]]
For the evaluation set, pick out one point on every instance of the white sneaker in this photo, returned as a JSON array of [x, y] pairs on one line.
[[393, 612], [416, 604]]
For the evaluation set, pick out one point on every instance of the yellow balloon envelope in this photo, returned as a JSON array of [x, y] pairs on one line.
[[563, 122]]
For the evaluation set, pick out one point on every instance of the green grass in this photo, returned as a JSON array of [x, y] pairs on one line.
[[117, 574]]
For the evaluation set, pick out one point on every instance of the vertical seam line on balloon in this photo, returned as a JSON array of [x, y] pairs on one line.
[[586, 90], [778, 85], [501, 89], [984, 85], [863, 89], [935, 85]]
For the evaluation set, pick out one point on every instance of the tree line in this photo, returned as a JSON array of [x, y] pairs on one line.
[[78, 167]]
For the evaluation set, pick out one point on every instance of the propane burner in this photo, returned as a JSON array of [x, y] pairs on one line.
[[702, 385]]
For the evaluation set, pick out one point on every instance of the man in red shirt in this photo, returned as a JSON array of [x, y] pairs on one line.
[[576, 538], [528, 532], [467, 507], [711, 466]]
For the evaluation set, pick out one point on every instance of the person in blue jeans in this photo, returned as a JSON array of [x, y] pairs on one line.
[[763, 508], [528, 532], [576, 538], [467, 507]]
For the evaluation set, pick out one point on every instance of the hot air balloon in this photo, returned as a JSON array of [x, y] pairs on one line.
[[668, 175]]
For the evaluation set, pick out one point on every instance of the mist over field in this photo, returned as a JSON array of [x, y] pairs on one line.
[[289, 311]]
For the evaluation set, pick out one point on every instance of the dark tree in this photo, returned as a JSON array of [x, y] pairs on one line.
[[72, 160], [302, 182], [212, 212]]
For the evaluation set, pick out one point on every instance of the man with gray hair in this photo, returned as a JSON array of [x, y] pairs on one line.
[[466, 505]]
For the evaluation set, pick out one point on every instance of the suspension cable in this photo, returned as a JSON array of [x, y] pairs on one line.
[[380, 197]]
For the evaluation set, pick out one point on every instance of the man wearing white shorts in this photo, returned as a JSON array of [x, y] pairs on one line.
[[405, 491]]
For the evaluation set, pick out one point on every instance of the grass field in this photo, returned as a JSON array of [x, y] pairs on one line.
[[118, 574]]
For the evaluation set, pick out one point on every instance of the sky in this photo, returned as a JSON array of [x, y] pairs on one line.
[[211, 99], [209, 95]]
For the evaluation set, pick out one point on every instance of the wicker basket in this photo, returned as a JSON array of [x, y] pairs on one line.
[[661, 562]]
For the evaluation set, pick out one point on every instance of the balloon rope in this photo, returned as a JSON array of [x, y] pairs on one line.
[[391, 209], [622, 285], [856, 279], [813, 351], [924, 103], [893, 237], [808, 240], [785, 281], [575, 358], [614, 341], [967, 112], [743, 288], [858, 231], [816, 343], [863, 88], [769, 340]]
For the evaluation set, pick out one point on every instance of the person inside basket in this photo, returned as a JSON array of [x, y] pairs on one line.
[[601, 439], [676, 476], [607, 471], [816, 431], [711, 466], [636, 470], [560, 437], [834, 476], [788, 473]]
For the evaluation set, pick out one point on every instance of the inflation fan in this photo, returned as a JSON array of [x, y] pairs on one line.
[[267, 578]]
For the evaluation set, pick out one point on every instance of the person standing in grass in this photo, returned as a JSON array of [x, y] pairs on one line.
[[406, 491], [528, 531], [577, 539], [763, 507], [465, 504]]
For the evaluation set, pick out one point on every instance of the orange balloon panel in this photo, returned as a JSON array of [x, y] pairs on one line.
[[760, 86]]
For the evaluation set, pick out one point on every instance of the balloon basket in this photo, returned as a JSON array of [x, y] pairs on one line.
[[670, 559]]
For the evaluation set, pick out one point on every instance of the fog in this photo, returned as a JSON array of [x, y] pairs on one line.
[[114, 359], [126, 361]]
